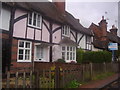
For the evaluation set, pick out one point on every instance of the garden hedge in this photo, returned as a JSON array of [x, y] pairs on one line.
[[93, 56]]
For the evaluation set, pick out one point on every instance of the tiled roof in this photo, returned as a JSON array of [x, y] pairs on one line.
[[67, 41], [49, 10], [113, 38]]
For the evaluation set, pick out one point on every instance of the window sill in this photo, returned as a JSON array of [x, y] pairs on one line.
[[40, 61], [31, 26], [24, 61], [65, 35], [69, 61]]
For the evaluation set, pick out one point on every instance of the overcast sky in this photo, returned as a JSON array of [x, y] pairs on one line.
[[89, 12]]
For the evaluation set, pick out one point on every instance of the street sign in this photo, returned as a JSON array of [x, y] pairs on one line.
[[113, 46]]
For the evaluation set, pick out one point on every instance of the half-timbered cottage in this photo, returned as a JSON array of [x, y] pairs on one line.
[[42, 32]]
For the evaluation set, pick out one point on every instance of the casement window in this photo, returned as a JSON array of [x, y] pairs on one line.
[[68, 53], [66, 31], [39, 53], [88, 42], [34, 20], [24, 51]]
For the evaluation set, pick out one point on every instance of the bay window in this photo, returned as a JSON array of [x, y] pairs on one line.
[[24, 51], [68, 53]]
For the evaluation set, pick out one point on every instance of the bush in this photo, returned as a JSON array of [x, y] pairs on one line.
[[61, 60], [94, 56], [73, 62], [73, 84], [79, 55]]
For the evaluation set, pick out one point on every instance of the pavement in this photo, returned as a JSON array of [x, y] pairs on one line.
[[101, 83]]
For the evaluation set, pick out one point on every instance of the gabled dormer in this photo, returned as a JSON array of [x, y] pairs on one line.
[[66, 31], [35, 20]]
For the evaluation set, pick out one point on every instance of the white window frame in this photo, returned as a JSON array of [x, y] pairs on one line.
[[42, 59], [88, 43], [24, 48], [36, 20], [64, 30], [65, 51]]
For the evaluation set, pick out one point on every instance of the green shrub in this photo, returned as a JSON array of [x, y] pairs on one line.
[[79, 55], [93, 56], [73, 84], [61, 60]]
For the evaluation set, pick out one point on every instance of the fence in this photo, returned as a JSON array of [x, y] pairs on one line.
[[55, 75]]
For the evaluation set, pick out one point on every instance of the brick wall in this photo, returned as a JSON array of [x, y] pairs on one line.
[[19, 66], [5, 49]]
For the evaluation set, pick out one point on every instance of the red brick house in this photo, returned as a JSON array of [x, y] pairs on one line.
[[102, 36]]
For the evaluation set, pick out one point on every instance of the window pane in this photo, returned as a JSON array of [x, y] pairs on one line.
[[27, 54], [34, 19], [21, 44], [65, 31], [67, 55], [41, 52], [73, 48], [20, 51], [20, 57], [67, 48], [38, 21], [30, 18], [70, 55], [73, 56], [70, 48], [63, 55], [63, 48], [27, 45]]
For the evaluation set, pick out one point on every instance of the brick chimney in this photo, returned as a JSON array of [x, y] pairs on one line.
[[103, 27], [114, 30], [60, 4]]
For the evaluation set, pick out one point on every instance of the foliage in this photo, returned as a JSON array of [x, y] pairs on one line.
[[46, 82], [73, 84], [98, 77], [73, 62], [93, 56], [61, 60], [79, 55], [102, 75]]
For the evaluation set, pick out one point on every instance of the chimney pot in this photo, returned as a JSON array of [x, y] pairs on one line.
[[113, 30], [102, 17]]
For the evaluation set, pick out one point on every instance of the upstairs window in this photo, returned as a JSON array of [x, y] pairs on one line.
[[66, 31], [34, 20], [88, 43]]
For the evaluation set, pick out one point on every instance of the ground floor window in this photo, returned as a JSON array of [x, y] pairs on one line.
[[24, 51], [39, 53], [68, 53]]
